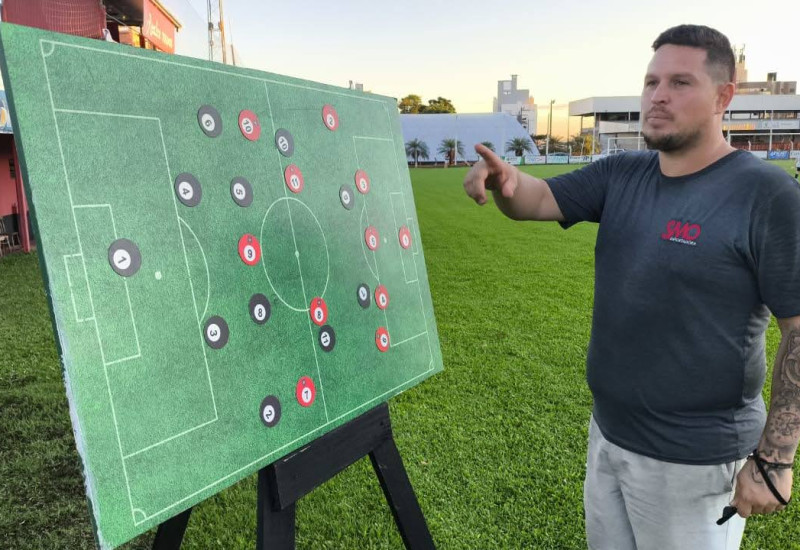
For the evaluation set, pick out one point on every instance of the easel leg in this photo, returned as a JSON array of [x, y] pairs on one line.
[[400, 495], [275, 530], [170, 533]]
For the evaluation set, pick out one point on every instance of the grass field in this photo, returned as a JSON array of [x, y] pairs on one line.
[[494, 446]]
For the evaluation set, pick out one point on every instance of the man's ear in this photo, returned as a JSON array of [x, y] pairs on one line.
[[725, 93]]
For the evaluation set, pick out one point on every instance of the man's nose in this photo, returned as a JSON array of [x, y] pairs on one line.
[[660, 93]]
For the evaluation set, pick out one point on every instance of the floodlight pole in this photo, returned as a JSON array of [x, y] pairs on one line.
[[549, 131]]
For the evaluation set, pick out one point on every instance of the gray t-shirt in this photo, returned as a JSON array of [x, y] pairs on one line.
[[687, 270]]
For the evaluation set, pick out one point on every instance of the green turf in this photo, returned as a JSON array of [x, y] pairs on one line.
[[494, 445], [164, 419]]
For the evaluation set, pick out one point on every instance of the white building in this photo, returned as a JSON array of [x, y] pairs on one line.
[[768, 125], [515, 102]]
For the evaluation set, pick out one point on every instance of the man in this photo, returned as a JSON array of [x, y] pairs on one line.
[[797, 168], [697, 244]]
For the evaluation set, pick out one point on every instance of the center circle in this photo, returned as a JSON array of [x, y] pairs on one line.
[[296, 274]]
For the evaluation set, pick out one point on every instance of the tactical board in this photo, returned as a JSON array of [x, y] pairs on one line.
[[232, 259]]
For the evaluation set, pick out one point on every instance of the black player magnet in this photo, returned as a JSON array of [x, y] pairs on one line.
[[346, 196], [260, 309], [124, 257], [327, 338], [241, 192], [210, 121], [270, 411], [363, 295], [216, 332], [188, 189], [284, 142]]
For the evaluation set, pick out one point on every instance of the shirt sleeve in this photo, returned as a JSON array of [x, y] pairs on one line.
[[775, 242], [581, 194]]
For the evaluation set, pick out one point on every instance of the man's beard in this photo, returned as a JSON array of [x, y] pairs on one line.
[[671, 143]]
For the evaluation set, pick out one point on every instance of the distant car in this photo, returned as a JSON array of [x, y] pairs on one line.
[[558, 155]]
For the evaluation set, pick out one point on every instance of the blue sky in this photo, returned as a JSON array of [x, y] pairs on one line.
[[560, 50]]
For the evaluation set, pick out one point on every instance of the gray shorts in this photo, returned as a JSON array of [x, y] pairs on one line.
[[633, 502]]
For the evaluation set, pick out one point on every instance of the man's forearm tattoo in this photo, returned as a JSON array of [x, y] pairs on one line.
[[782, 432]]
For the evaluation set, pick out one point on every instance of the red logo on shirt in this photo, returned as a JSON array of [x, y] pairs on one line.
[[683, 233]]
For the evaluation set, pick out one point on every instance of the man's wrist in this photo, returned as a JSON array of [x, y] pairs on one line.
[[772, 464]]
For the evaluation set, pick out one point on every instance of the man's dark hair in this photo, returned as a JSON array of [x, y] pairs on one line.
[[720, 62]]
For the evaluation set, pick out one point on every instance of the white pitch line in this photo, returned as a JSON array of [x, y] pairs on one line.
[[364, 246], [374, 138], [140, 57], [416, 268], [205, 262], [394, 345], [69, 283], [274, 452], [167, 440], [188, 271], [374, 255], [99, 113], [88, 287], [399, 248], [116, 361], [297, 257]]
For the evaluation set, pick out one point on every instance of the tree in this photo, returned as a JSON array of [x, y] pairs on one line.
[[415, 149], [539, 140], [583, 144], [410, 105], [489, 145], [519, 145], [557, 145], [449, 148], [438, 105]]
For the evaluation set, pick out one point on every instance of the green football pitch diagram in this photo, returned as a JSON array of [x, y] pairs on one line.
[[232, 259]]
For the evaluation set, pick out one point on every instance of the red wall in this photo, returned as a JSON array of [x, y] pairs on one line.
[[8, 189]]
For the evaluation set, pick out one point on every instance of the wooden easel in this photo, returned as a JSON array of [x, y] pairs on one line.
[[283, 483]]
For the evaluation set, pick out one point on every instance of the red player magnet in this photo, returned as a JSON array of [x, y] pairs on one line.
[[381, 297], [305, 391], [362, 182], [405, 237], [382, 339], [318, 311], [330, 117], [249, 125], [293, 178], [371, 238], [249, 249]]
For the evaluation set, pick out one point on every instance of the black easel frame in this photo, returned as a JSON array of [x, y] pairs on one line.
[[283, 483]]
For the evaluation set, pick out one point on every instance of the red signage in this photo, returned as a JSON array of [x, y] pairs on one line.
[[157, 28]]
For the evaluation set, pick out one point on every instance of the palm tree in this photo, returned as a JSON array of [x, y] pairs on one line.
[[415, 149], [450, 147], [489, 145], [519, 146], [557, 145], [539, 140]]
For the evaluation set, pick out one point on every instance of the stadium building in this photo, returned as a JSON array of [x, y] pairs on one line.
[[767, 125]]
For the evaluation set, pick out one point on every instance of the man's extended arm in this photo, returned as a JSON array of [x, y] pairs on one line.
[[518, 195], [781, 435]]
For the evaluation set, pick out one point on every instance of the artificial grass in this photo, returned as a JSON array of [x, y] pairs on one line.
[[494, 446]]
